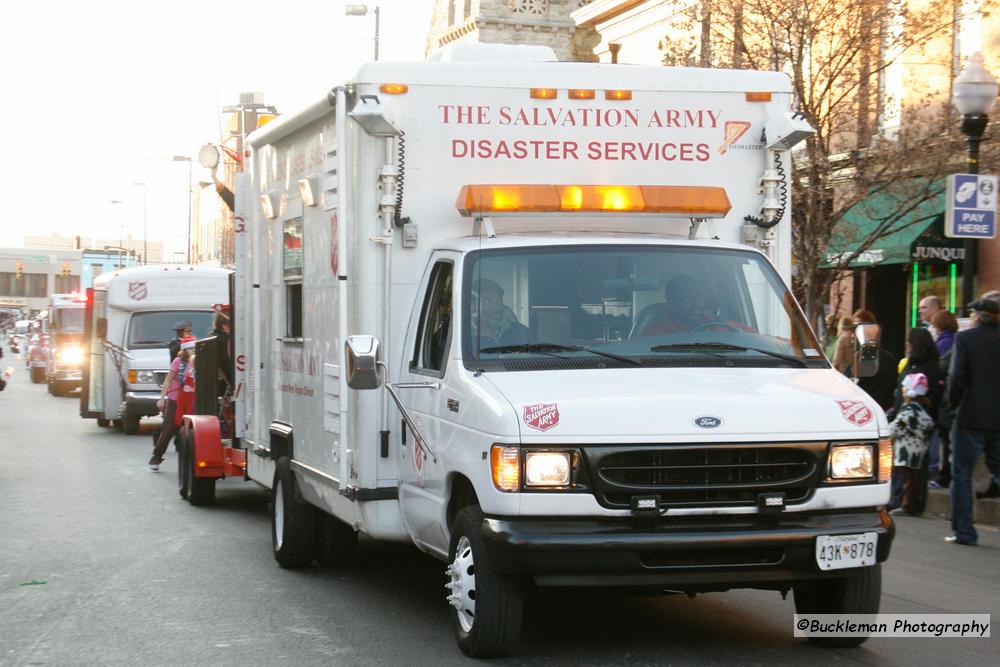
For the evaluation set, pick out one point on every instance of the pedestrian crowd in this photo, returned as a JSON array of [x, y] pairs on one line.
[[943, 402]]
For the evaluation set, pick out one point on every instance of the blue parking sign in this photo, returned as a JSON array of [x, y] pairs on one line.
[[972, 206]]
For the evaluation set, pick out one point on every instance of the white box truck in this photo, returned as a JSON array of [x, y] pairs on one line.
[[129, 323], [563, 287]]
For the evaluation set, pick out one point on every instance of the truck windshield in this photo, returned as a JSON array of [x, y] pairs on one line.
[[155, 328], [629, 306], [69, 320]]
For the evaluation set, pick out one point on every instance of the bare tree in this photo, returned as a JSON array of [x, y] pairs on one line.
[[838, 54]]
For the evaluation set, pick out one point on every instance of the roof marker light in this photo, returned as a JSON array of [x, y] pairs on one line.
[[393, 88], [544, 93], [581, 94], [758, 97], [617, 95], [686, 200]]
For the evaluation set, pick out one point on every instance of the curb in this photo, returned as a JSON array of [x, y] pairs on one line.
[[986, 511]]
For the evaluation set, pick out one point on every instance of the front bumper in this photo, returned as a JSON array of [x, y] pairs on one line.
[[142, 403], [704, 553], [67, 375]]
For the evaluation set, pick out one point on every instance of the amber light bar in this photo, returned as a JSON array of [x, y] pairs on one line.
[[691, 200]]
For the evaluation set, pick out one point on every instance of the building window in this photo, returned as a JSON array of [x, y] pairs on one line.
[[529, 7], [67, 284], [890, 103]]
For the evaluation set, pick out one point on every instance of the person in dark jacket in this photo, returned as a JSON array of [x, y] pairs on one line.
[[181, 330], [921, 357], [974, 391]]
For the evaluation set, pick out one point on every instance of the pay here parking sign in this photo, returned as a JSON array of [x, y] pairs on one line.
[[972, 206]]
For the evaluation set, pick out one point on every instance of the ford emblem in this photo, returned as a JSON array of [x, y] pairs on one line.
[[707, 422]]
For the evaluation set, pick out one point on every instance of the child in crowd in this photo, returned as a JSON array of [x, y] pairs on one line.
[[911, 434]]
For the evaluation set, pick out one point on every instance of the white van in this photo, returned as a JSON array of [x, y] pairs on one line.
[[567, 283], [129, 322]]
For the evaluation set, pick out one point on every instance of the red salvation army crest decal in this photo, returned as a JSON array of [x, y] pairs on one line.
[[137, 291], [855, 412], [541, 416]]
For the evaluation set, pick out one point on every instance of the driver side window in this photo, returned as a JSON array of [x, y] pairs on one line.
[[434, 335]]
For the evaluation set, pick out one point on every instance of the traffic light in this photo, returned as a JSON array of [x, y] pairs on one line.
[[65, 269], [20, 269]]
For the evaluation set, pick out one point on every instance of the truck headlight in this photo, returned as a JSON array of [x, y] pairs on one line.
[[71, 356], [145, 377], [851, 462], [546, 469]]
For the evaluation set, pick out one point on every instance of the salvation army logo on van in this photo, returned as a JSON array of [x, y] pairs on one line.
[[137, 291], [855, 412], [542, 416]]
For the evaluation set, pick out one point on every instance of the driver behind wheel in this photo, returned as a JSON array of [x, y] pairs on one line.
[[686, 310]]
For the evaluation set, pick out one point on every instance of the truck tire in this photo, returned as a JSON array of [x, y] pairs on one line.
[[488, 604], [201, 490], [103, 423], [336, 541], [184, 469], [293, 523], [857, 594], [131, 422]]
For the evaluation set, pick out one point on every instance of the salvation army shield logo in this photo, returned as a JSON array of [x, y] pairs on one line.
[[855, 412], [542, 416], [137, 291]]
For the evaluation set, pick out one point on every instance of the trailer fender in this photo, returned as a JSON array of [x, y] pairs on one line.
[[206, 443]]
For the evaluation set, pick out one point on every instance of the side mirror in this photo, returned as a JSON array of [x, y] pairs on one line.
[[102, 327], [362, 355], [867, 337]]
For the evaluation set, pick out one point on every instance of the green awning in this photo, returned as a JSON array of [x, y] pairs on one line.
[[890, 215]]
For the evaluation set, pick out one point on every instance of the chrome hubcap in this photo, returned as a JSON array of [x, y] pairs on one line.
[[279, 516], [462, 584]]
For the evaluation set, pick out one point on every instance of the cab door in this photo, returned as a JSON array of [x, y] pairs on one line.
[[429, 339]]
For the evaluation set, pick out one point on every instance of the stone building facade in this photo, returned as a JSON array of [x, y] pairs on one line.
[[533, 22]]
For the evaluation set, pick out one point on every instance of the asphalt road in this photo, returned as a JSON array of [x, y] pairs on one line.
[[101, 562]]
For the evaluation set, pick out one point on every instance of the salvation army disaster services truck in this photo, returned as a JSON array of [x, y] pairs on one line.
[[64, 369], [533, 318], [129, 323]]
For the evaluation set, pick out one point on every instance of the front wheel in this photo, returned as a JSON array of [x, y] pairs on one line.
[[293, 523], [487, 604], [857, 594], [131, 423]]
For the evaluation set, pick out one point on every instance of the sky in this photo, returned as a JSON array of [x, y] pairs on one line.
[[97, 97]]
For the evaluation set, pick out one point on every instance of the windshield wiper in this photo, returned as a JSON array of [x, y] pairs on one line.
[[556, 347], [727, 346]]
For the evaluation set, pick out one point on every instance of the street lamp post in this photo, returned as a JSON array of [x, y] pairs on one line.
[[974, 94], [145, 248], [185, 158], [362, 10], [118, 201]]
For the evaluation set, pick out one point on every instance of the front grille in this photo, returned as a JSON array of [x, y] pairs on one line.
[[701, 476]]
